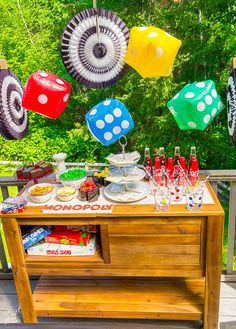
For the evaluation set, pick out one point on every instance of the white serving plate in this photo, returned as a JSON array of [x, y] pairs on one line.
[[142, 188], [118, 176], [118, 159]]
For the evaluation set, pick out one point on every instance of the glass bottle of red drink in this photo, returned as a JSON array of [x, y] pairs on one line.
[[162, 157], [170, 171], [194, 172], [176, 161], [147, 162], [157, 174], [183, 171], [193, 153]]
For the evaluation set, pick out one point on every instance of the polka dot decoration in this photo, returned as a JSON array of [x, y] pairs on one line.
[[196, 105], [42, 99], [109, 120], [153, 35], [151, 51], [46, 94]]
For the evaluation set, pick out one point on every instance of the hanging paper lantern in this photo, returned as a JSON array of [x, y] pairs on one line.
[[46, 94], [231, 105], [95, 56], [13, 117], [109, 120], [196, 105], [151, 51]]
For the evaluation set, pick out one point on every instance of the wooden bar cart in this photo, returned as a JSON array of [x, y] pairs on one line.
[[148, 265]]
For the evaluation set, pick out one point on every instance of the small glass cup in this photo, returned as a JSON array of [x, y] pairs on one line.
[[162, 199], [176, 193], [194, 199], [157, 185]]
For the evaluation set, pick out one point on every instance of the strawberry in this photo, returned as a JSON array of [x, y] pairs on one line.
[[87, 183]]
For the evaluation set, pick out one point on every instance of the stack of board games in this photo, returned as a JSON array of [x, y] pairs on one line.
[[66, 241]]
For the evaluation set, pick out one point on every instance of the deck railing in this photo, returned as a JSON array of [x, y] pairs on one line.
[[217, 180]]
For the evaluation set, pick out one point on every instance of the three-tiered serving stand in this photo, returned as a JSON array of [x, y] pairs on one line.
[[125, 177]]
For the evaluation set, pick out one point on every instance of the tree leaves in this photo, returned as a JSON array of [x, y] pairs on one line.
[[207, 29]]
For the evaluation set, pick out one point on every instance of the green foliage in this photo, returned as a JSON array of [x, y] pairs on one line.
[[30, 40]]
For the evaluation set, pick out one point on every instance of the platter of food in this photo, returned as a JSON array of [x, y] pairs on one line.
[[123, 160], [125, 175], [127, 193]]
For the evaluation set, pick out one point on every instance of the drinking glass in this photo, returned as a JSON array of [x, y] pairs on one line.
[[194, 199], [176, 193], [162, 199]]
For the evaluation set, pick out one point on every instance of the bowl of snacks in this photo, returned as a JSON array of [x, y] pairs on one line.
[[73, 177], [66, 193], [40, 192]]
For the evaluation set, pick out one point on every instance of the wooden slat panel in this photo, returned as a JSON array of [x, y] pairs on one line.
[[155, 259], [231, 230], [105, 244], [154, 229], [131, 312], [166, 271], [213, 270], [5, 193], [155, 249], [16, 252], [56, 219], [156, 239], [106, 281], [164, 299]]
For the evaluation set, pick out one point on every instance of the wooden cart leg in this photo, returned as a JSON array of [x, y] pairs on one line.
[[16, 252], [214, 237]]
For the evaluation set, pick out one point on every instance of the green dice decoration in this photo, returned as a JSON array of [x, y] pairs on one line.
[[196, 105]]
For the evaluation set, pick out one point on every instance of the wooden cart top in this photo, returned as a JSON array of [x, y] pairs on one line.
[[126, 210]]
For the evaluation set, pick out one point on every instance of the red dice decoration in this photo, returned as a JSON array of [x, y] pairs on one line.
[[46, 94]]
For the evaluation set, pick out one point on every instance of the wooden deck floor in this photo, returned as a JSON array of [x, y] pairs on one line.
[[10, 312]]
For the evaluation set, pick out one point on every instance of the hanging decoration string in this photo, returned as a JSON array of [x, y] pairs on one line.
[[24, 21], [97, 20]]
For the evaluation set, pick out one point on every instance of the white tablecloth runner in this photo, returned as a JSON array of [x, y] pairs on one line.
[[102, 205]]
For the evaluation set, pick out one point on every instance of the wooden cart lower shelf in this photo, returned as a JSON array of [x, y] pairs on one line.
[[176, 299]]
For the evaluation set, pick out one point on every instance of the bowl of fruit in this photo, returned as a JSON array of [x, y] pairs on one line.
[[73, 177], [88, 191]]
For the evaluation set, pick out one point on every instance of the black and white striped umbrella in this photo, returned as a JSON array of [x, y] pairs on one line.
[[13, 118], [231, 105], [93, 47]]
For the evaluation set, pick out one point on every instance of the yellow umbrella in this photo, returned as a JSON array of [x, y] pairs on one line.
[[151, 51]]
